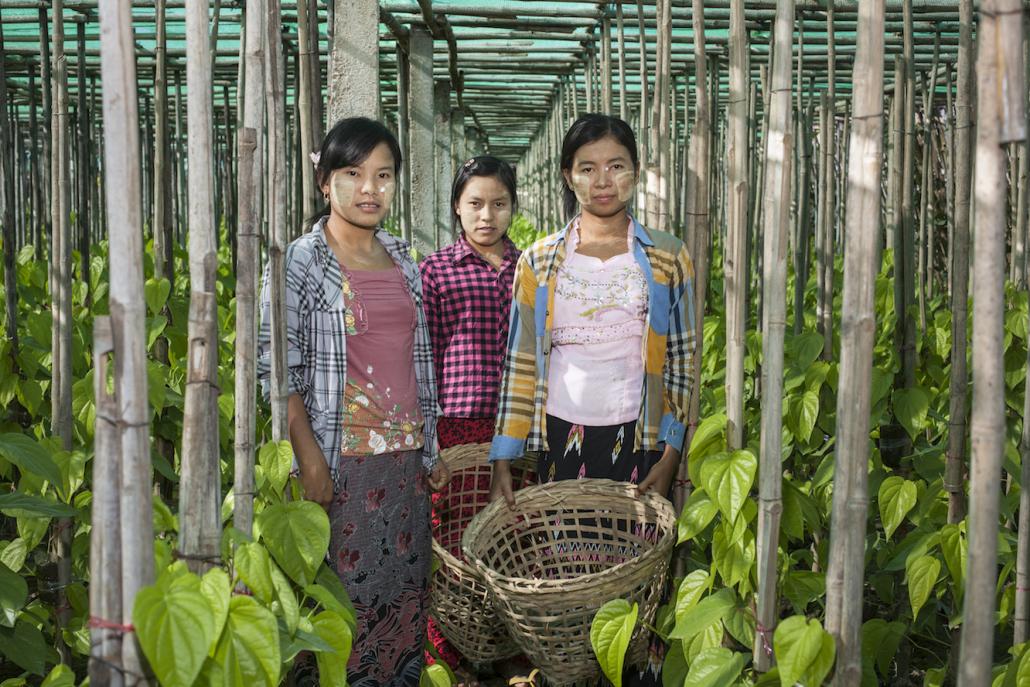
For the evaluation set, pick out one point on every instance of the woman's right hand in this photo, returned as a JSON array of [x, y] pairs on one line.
[[317, 482], [500, 483]]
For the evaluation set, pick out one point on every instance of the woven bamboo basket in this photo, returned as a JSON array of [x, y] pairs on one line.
[[569, 547], [458, 598]]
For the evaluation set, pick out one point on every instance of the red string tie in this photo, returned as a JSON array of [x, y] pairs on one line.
[[763, 632], [102, 624]]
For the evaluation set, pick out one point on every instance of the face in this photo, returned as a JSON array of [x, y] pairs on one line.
[[602, 177], [484, 210], [361, 194]]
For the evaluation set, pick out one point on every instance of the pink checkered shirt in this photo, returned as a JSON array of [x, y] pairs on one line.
[[468, 305]]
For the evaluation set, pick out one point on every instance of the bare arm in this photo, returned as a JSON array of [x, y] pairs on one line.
[[314, 471]]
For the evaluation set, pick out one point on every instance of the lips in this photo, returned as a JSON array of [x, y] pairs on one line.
[[369, 207], [488, 228], [604, 199]]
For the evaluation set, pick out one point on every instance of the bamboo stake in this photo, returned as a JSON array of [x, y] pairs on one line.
[[905, 259], [623, 93], [161, 226], [276, 174], [828, 193], [802, 254], [606, 64], [82, 177], [643, 127], [60, 292], [249, 246], [46, 86], [105, 563], [1001, 118], [199, 500], [957, 407], [305, 97], [1021, 611], [735, 273], [7, 180], [844, 580], [925, 209], [128, 311]]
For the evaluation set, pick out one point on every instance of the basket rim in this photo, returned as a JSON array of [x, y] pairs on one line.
[[602, 487]]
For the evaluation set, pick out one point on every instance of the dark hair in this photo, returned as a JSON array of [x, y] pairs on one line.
[[584, 131], [349, 143], [482, 166]]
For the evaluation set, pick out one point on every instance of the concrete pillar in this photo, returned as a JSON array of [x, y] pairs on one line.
[[354, 61], [420, 139], [403, 137], [442, 160], [459, 144]]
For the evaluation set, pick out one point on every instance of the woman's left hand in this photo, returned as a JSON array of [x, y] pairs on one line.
[[439, 476], [661, 475]]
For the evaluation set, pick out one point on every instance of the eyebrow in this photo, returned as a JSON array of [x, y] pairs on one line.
[[619, 158]]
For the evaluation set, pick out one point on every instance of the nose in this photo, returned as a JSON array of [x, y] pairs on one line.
[[368, 185], [604, 177]]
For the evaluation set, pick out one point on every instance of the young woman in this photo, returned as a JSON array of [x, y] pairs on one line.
[[596, 376], [467, 297], [362, 398]]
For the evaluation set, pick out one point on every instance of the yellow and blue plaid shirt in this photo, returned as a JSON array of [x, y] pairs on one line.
[[668, 345]]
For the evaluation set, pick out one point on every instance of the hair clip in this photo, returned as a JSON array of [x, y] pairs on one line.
[[468, 163], [315, 157]]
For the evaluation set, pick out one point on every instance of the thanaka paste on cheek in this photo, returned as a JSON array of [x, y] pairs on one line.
[[341, 190], [624, 183], [581, 187], [387, 190]]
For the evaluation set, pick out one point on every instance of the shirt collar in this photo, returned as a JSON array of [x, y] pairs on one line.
[[462, 249]]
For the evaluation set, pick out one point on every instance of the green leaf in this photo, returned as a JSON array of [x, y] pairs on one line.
[[727, 478], [955, 550], [805, 348], [921, 575], [717, 667], [804, 410], [25, 646], [880, 641], [330, 581], [29, 456], [709, 438], [30, 395], [697, 513], [707, 611], [277, 460], [297, 536], [286, 598], [13, 593], [896, 498], [248, 651], [801, 650], [690, 590], [156, 291], [710, 637], [910, 407], [175, 626], [610, 633], [61, 676], [216, 588], [733, 555], [333, 630], [155, 328], [13, 555], [16, 504], [253, 567]]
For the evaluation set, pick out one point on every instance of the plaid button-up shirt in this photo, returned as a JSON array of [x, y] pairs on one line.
[[468, 305], [316, 343], [667, 350]]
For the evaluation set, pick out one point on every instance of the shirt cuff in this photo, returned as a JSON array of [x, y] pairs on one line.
[[672, 432], [506, 448]]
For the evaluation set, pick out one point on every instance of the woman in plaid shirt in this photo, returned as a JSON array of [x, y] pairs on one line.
[[467, 297], [362, 398], [596, 377]]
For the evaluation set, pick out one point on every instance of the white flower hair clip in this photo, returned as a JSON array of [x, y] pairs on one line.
[[315, 157]]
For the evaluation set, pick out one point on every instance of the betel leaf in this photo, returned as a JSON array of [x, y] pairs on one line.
[[216, 588], [248, 652], [804, 348], [697, 513], [709, 438], [297, 536], [804, 411], [25, 646], [435, 675], [277, 460], [254, 567], [156, 291], [706, 612], [610, 633], [690, 590], [334, 631], [13, 593], [921, 575], [16, 504], [727, 478], [286, 599], [61, 676], [804, 651], [718, 667], [897, 496], [880, 641], [954, 548], [29, 456], [910, 408], [175, 626]]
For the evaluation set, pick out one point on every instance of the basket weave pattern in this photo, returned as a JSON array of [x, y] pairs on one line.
[[458, 599], [570, 547]]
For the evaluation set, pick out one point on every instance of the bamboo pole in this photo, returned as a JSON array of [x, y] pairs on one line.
[[7, 180], [957, 406], [199, 501], [828, 192], [643, 127], [128, 310], [1001, 119], [247, 265], [46, 87], [735, 272], [606, 64], [925, 210], [623, 93], [306, 95], [844, 580], [658, 175], [82, 176], [1021, 611], [905, 259], [161, 226], [802, 247], [276, 203]]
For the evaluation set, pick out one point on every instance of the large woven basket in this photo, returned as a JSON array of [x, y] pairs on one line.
[[569, 547], [458, 598]]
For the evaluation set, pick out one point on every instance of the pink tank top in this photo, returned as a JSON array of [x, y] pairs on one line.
[[381, 410], [596, 374]]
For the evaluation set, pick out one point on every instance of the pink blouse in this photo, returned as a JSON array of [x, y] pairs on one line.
[[596, 373]]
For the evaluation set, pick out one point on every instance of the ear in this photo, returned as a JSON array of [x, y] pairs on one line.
[[567, 175]]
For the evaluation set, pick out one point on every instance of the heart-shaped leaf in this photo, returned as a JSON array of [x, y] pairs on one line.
[[727, 478], [610, 633]]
